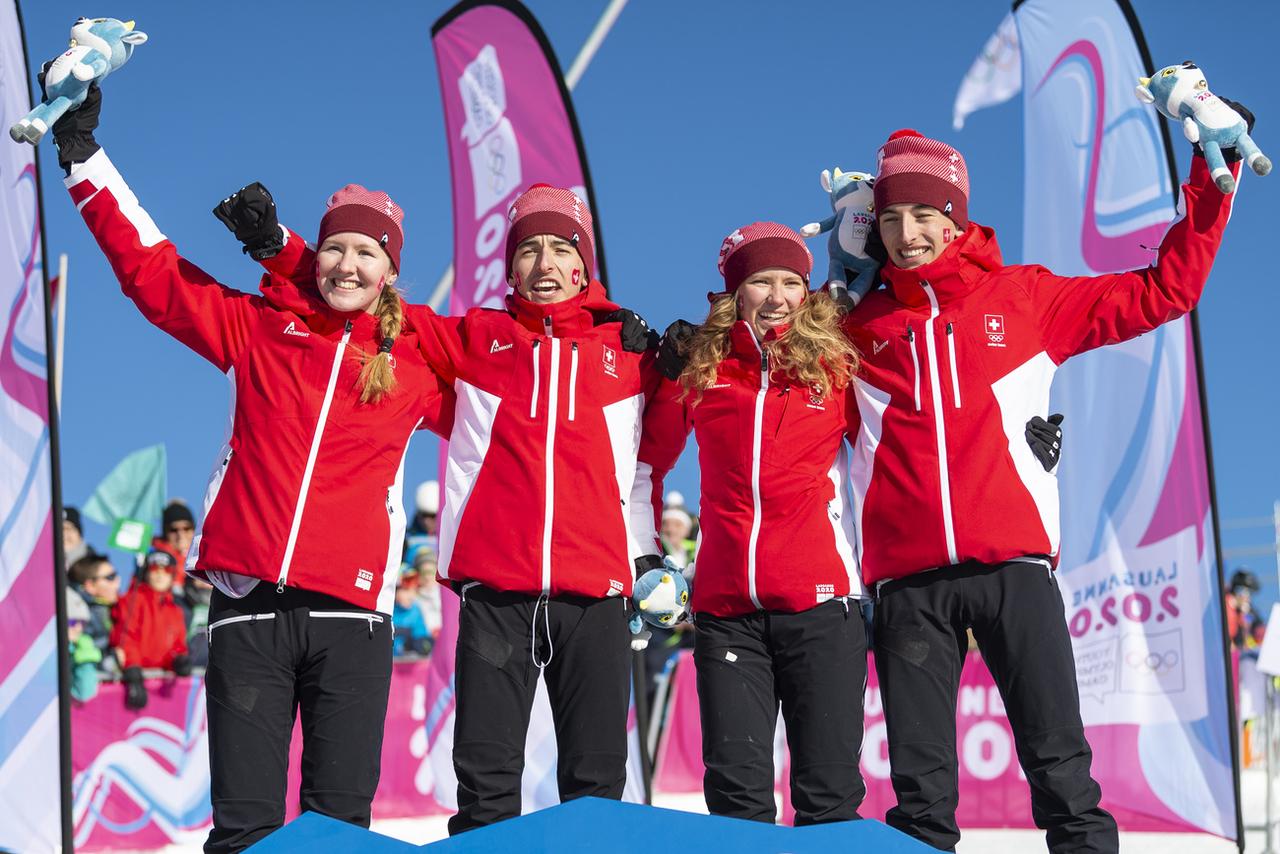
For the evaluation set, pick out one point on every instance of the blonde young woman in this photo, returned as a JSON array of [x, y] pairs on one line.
[[777, 588], [302, 520]]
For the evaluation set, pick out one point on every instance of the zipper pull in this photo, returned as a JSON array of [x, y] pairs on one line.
[[911, 335], [764, 362], [948, 327], [370, 627], [546, 325], [348, 328], [280, 586]]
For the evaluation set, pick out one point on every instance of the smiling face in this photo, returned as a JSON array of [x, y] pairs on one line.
[[351, 270], [914, 235], [547, 269], [767, 297]]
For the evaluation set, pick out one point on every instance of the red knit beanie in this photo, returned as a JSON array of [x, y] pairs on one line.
[[367, 212], [914, 169], [544, 209], [758, 246]]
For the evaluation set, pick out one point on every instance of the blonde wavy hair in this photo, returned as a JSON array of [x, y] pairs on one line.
[[377, 377], [813, 351]]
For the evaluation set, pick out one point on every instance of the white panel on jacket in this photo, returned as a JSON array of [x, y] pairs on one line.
[[622, 420], [101, 173], [1021, 394], [840, 512], [395, 539], [872, 403], [473, 420]]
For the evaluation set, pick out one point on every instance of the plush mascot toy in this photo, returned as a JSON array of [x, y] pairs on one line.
[[660, 597], [1181, 93], [853, 203], [98, 47]]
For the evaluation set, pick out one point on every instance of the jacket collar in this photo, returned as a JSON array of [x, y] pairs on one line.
[[306, 302], [743, 343], [952, 275], [567, 318]]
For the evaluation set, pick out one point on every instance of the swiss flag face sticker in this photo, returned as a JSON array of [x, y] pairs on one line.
[[577, 276]]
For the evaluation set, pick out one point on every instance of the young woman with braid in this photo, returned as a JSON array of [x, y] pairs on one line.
[[302, 519]]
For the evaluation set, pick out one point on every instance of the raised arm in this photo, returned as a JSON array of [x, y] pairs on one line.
[[1079, 313], [174, 294]]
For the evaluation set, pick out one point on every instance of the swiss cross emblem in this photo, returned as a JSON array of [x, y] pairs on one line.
[[993, 325], [610, 361]]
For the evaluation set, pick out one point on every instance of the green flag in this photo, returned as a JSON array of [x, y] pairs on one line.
[[135, 489]]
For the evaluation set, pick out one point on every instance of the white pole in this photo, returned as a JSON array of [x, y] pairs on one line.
[[62, 333], [576, 70]]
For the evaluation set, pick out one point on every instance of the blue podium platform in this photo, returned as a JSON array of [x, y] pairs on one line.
[[595, 826]]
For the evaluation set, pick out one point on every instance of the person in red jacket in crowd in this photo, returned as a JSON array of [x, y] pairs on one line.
[[958, 521], [302, 520], [148, 630], [177, 530], [777, 591], [550, 392]]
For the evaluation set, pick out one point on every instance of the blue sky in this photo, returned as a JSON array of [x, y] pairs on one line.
[[697, 117]]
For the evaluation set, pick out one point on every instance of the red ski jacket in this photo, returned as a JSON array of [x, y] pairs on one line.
[[306, 491], [958, 354], [775, 516], [542, 455], [148, 628]]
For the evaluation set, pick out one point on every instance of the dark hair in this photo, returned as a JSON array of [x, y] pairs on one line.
[[85, 569]]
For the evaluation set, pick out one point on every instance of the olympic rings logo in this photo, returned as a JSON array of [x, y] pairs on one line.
[[1152, 662]]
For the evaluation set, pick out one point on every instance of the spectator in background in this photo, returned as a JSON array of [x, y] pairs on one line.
[[677, 526], [425, 529], [1244, 625], [95, 581], [85, 656], [149, 630], [411, 635], [73, 545], [194, 601], [177, 529], [424, 561]]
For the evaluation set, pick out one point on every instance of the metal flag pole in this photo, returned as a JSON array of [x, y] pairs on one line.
[[62, 330], [576, 70]]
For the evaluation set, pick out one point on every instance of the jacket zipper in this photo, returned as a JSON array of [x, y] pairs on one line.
[[951, 353], [533, 401], [756, 441], [552, 389], [351, 615], [243, 618], [311, 460], [573, 380], [935, 381], [915, 366]]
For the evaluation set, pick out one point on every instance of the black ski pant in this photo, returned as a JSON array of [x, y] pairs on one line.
[[814, 665], [584, 649], [273, 655], [1016, 613]]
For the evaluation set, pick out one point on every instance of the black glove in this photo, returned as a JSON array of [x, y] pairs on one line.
[[135, 690], [672, 346], [644, 563], [73, 133], [636, 334], [1045, 440], [182, 665], [1230, 155], [250, 213]]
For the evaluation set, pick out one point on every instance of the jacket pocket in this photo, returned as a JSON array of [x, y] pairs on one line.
[[368, 616], [242, 618]]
